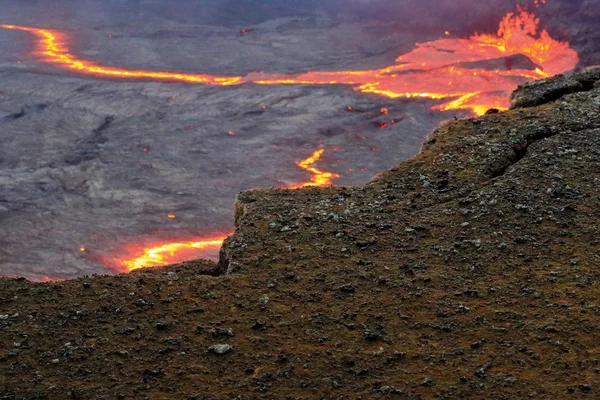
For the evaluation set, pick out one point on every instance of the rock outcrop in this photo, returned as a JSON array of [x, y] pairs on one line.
[[469, 271]]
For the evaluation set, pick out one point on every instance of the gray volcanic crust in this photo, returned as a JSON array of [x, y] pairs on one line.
[[469, 271]]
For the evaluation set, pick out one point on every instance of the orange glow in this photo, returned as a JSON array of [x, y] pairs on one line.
[[52, 49], [443, 69], [446, 69], [319, 178], [170, 253], [47, 279], [82, 249], [172, 216]]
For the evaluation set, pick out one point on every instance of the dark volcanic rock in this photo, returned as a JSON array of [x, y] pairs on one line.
[[479, 284], [541, 92]]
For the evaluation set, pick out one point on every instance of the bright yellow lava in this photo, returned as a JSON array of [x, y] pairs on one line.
[[167, 253], [319, 178], [52, 48]]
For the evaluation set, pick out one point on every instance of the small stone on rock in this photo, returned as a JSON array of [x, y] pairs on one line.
[[220, 349]]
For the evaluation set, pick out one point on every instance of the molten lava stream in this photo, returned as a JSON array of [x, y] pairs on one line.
[[173, 253], [168, 253], [318, 178], [476, 73], [52, 49]]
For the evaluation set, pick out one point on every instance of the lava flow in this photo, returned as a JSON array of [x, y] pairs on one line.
[[475, 74], [52, 49], [319, 178], [172, 253]]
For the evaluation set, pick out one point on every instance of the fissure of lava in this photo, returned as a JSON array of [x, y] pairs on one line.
[[165, 254], [454, 71], [171, 253]]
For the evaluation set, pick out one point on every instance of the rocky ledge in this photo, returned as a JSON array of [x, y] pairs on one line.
[[470, 271]]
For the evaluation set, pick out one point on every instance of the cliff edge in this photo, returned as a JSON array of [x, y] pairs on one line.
[[469, 271]]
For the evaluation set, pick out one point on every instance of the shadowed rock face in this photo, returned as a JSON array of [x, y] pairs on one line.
[[467, 272], [536, 93]]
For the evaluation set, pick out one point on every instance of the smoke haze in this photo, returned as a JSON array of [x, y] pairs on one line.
[[249, 12]]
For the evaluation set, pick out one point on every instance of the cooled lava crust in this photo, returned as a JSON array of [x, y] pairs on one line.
[[470, 271]]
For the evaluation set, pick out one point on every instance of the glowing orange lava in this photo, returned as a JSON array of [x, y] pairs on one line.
[[448, 69], [319, 178], [454, 70], [170, 253], [47, 279], [52, 49]]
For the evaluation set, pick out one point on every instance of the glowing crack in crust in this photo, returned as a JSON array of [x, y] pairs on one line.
[[444, 69], [318, 178], [171, 253], [52, 49], [166, 254]]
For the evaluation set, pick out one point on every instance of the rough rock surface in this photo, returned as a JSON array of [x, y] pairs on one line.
[[540, 92], [469, 271]]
